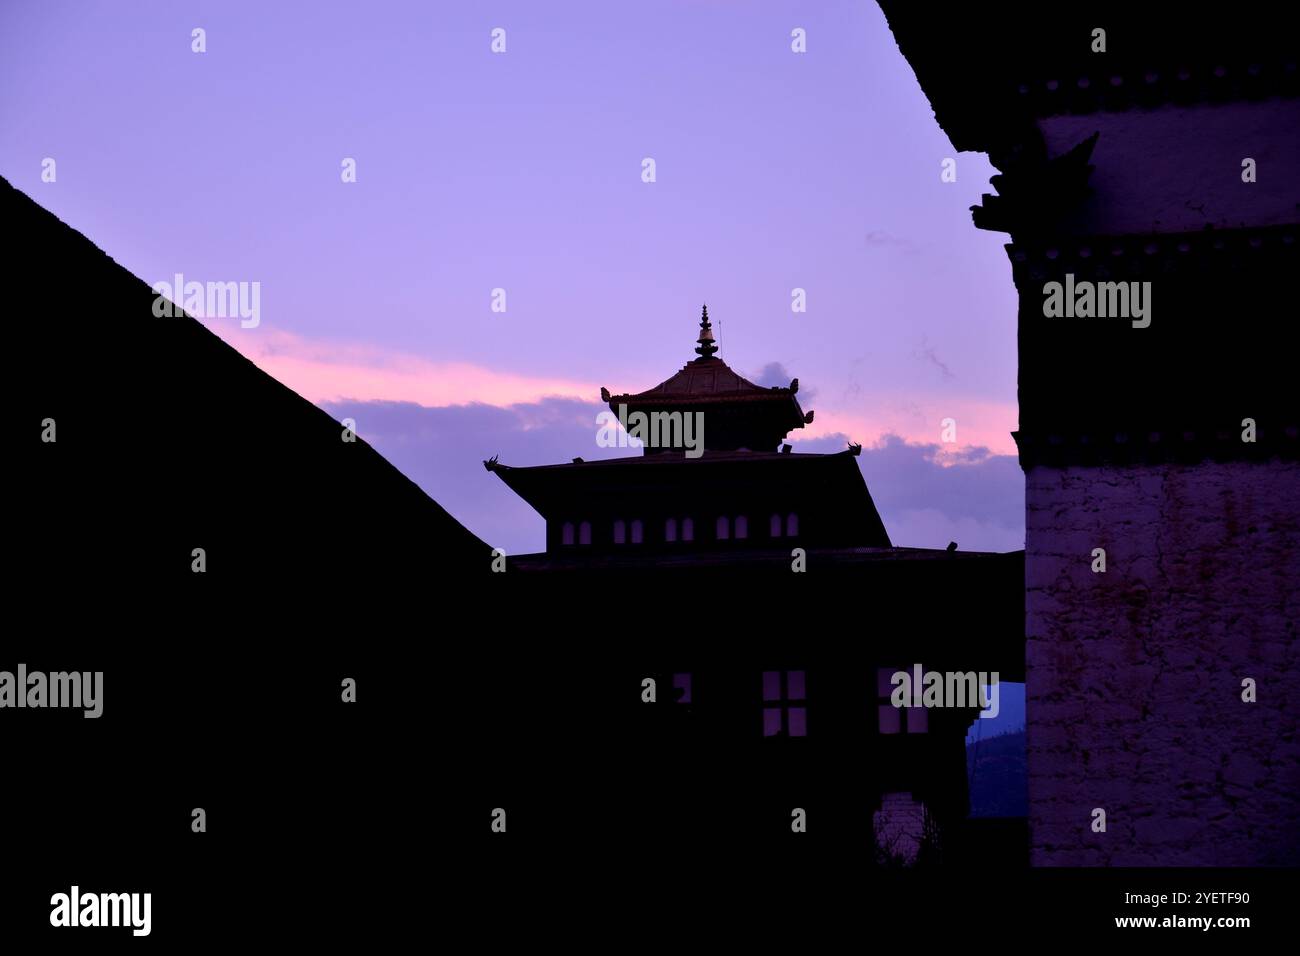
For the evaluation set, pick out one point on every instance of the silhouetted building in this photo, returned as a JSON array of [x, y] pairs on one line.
[[765, 708], [733, 490], [1147, 178], [167, 440]]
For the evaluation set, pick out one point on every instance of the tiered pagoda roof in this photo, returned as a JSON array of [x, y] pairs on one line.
[[731, 486], [737, 413]]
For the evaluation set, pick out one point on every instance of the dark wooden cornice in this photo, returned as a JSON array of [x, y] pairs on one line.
[[1132, 257], [1192, 445]]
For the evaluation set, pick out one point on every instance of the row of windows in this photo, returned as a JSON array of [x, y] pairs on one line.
[[785, 710], [584, 533], [633, 531], [621, 535], [687, 529]]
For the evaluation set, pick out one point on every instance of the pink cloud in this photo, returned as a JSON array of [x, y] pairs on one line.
[[978, 423], [322, 371], [325, 371]]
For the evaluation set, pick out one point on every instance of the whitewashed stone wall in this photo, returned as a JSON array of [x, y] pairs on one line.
[[1134, 684]]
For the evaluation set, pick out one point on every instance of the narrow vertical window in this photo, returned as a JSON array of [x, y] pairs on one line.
[[620, 532], [742, 526], [670, 529], [785, 710], [791, 525], [724, 528], [688, 529], [912, 719], [584, 533], [566, 533], [918, 721], [889, 720], [638, 531], [888, 717], [776, 526]]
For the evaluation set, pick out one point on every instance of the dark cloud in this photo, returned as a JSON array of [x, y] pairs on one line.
[[878, 237], [774, 374], [928, 353], [977, 502], [443, 449]]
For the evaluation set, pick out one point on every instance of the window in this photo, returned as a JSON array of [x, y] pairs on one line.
[[688, 529], [785, 704], [776, 526], [638, 531], [670, 529], [791, 525], [566, 533], [584, 533], [724, 528], [742, 527], [898, 720], [620, 532]]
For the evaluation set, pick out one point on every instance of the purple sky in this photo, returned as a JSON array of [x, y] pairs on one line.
[[522, 171]]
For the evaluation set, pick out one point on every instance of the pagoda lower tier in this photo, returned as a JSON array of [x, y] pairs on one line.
[[719, 501]]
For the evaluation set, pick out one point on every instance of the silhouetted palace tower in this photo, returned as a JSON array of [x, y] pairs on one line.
[[765, 598], [730, 489]]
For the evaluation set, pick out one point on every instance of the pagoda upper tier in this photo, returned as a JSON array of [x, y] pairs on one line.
[[736, 413]]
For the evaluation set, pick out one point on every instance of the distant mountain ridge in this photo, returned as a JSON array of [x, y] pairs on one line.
[[997, 771]]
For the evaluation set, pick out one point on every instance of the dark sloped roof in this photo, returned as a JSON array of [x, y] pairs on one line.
[[1036, 59], [704, 380], [674, 458], [835, 477], [168, 440], [750, 416]]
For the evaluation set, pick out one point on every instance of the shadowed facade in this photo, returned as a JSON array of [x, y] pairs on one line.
[[1141, 149], [771, 611]]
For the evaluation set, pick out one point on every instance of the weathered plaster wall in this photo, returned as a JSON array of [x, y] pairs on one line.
[[1179, 169], [1135, 675]]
